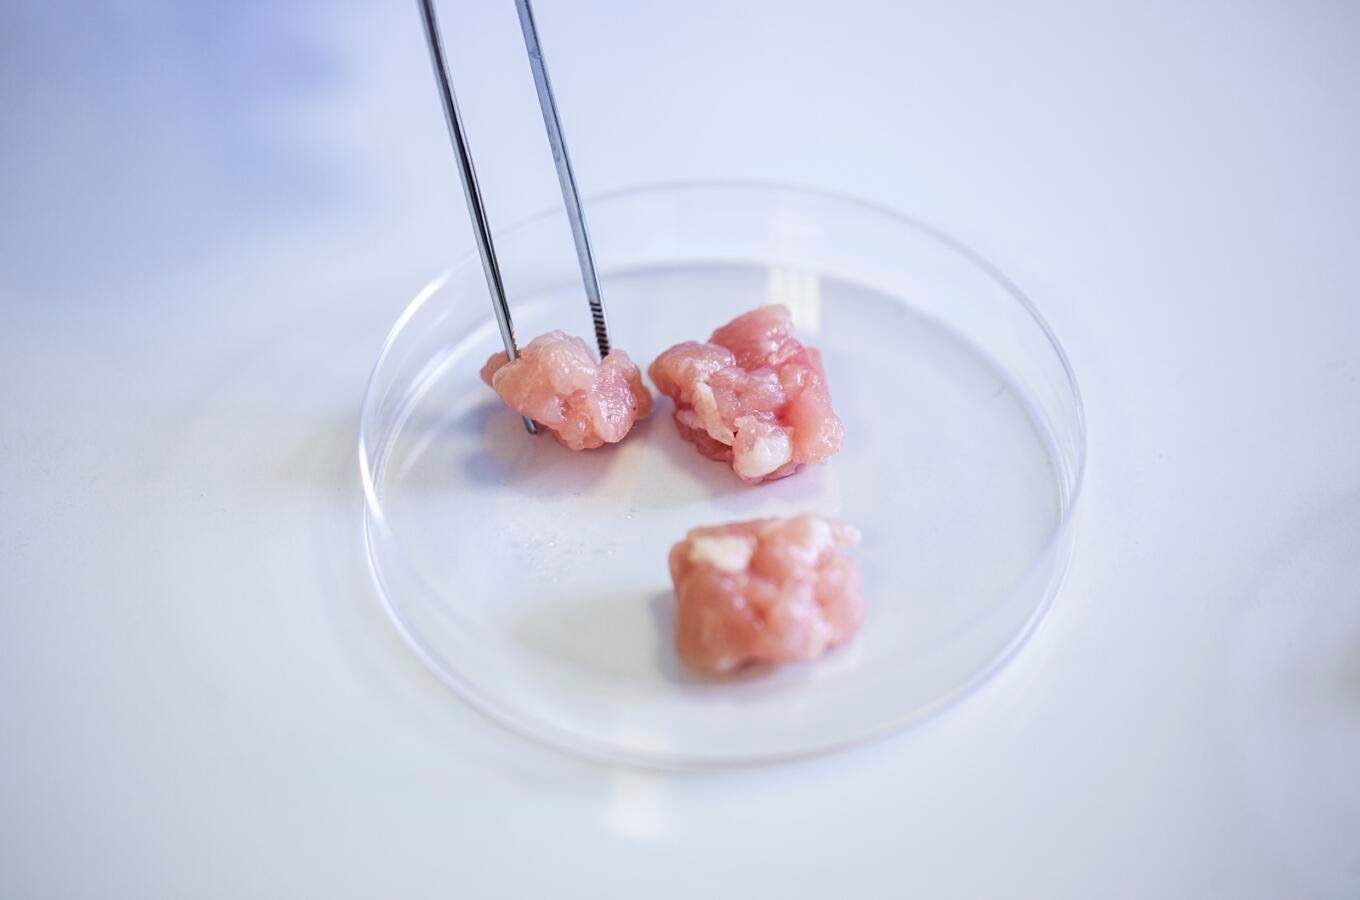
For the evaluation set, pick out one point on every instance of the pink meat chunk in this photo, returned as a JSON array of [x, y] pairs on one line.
[[556, 382], [752, 396], [767, 590]]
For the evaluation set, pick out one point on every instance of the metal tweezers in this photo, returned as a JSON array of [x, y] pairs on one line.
[[566, 177]]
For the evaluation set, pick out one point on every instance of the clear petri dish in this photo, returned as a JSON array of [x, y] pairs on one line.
[[533, 580]]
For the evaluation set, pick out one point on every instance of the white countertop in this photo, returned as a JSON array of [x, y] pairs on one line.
[[210, 214]]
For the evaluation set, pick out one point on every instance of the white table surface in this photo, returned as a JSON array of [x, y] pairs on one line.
[[211, 213]]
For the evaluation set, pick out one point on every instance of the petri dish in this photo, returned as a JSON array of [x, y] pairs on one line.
[[533, 580]]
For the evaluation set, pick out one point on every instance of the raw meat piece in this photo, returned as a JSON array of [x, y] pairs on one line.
[[556, 382], [767, 590], [753, 396]]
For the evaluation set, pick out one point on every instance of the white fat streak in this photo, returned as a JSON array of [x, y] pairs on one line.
[[818, 538], [846, 535], [821, 536], [706, 405], [726, 553], [766, 455]]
